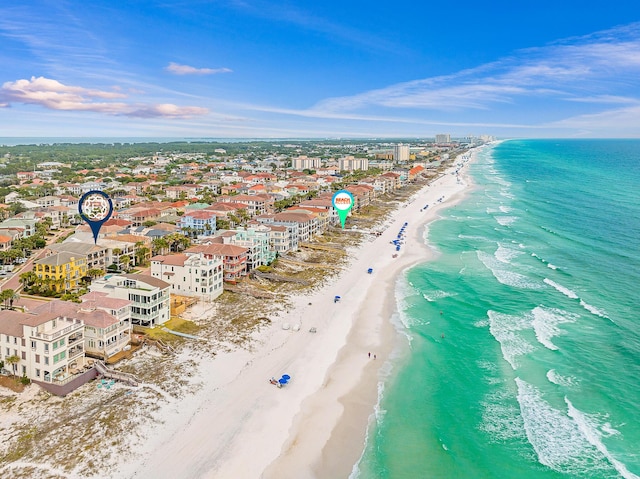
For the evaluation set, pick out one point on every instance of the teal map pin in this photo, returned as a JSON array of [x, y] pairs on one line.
[[343, 202]]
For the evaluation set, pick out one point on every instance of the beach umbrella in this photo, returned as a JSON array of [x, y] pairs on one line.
[[286, 376], [282, 381]]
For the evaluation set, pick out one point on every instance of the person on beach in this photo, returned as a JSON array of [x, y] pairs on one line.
[[369, 354]]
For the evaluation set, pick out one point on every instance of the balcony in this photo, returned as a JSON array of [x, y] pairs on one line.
[[75, 325], [74, 338], [75, 351]]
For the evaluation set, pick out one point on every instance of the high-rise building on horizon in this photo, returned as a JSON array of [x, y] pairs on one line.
[[443, 138], [304, 163], [350, 163], [401, 153]]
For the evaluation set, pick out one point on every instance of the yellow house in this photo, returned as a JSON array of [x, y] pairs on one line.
[[61, 271]]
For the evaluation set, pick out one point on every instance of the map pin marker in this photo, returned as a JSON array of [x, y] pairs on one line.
[[343, 202], [95, 208]]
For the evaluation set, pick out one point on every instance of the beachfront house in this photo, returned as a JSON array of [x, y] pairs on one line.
[[44, 347], [107, 322], [149, 296], [190, 274], [234, 258]]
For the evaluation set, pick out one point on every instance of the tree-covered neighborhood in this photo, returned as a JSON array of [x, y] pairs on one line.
[[190, 221]]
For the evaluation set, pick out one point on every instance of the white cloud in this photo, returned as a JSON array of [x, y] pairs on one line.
[[57, 96], [178, 69], [606, 63]]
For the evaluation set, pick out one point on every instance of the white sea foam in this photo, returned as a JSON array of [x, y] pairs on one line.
[[544, 261], [545, 324], [487, 365], [593, 309], [506, 220], [507, 194], [505, 254], [566, 291], [501, 419], [483, 323], [400, 319], [471, 237], [504, 275], [548, 230], [505, 328], [558, 440], [591, 431], [432, 296], [555, 378], [379, 413], [506, 209]]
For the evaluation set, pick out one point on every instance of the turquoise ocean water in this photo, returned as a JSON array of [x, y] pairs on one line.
[[524, 333]]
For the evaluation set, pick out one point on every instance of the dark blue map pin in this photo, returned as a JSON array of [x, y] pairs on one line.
[[95, 208]]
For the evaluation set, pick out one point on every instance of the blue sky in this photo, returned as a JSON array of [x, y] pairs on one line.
[[245, 68]]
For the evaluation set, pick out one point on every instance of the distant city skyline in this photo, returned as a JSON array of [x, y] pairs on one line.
[[259, 69]]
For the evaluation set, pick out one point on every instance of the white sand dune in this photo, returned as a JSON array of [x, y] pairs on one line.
[[240, 426]]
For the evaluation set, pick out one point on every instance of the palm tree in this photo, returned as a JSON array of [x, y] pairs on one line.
[[5, 294], [142, 255], [125, 259], [13, 360], [8, 296], [116, 256], [94, 273], [160, 246], [27, 279]]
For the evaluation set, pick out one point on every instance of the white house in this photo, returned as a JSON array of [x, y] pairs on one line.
[[47, 345], [149, 296], [190, 274]]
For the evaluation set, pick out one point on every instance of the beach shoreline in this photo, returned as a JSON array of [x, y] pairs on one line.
[[239, 425], [345, 425]]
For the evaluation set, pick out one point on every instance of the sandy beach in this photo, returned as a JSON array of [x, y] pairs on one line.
[[239, 425]]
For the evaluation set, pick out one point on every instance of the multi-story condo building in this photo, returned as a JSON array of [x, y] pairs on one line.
[[200, 222], [96, 255], [61, 271], [443, 138], [256, 204], [44, 347], [234, 258], [107, 322], [349, 163], [190, 274], [304, 163], [401, 153], [149, 296]]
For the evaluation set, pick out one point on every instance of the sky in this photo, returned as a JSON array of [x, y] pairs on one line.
[[310, 69]]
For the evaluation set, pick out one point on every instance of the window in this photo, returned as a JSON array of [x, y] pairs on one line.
[[38, 358], [24, 355], [46, 347], [33, 345], [46, 359], [37, 373]]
